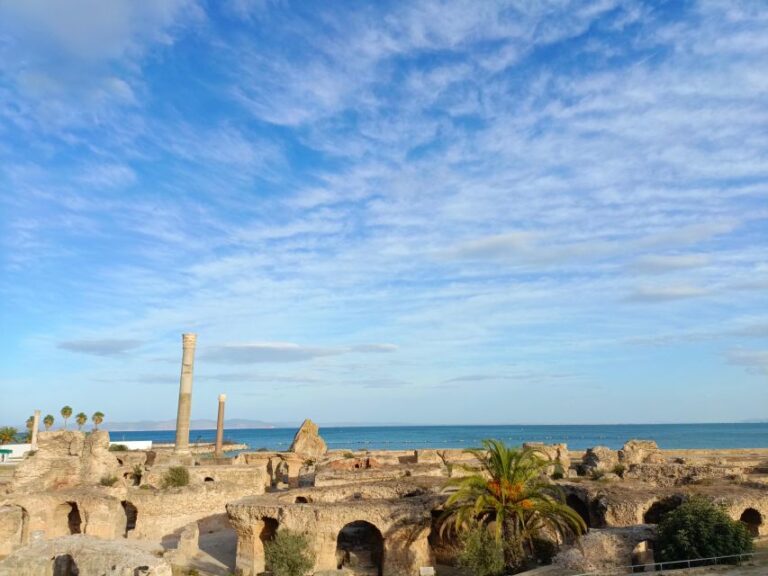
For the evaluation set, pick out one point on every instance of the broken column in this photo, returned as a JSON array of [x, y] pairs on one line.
[[220, 427], [185, 392], [35, 426]]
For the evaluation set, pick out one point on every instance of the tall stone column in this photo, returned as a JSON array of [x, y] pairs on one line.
[[220, 427], [35, 427], [185, 392]]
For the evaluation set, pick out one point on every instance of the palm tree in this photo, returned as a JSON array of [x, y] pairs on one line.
[[7, 434], [81, 419], [98, 418], [48, 421], [30, 425], [513, 497], [66, 412]]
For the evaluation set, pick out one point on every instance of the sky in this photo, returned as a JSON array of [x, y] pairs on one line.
[[407, 212]]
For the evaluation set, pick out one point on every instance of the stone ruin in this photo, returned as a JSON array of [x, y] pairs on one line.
[[368, 512]]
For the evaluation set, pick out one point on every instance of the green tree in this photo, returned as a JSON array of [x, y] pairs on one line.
[[81, 419], [8, 434], [480, 553], [512, 495], [66, 412], [700, 529], [98, 418], [289, 554], [48, 421]]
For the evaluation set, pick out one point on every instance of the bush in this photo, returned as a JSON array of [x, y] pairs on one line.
[[118, 447], [348, 455], [480, 553], [699, 529], [108, 480], [289, 554], [619, 469], [176, 477]]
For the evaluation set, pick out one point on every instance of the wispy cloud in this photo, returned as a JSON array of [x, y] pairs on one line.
[[106, 347]]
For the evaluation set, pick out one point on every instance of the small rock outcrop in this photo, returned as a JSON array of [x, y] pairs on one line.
[[605, 549], [641, 452], [84, 556], [599, 459], [307, 441], [556, 453], [66, 459]]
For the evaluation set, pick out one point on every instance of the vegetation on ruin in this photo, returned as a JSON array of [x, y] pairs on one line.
[[512, 496], [7, 434], [619, 469], [175, 477], [66, 412], [48, 421], [289, 554], [108, 480], [81, 419], [481, 553], [700, 529], [118, 447]]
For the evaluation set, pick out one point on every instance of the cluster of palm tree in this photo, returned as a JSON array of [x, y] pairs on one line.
[[8, 434], [81, 419], [513, 498]]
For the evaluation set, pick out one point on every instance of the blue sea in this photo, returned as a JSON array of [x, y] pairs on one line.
[[578, 437]]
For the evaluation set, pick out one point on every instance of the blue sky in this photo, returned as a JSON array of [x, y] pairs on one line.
[[421, 212]]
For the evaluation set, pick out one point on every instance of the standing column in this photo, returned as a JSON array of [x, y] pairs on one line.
[[35, 426], [185, 392], [220, 427]]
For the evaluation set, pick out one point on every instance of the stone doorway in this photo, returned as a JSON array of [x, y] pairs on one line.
[[131, 516], [753, 520], [580, 507], [64, 565], [643, 554], [360, 548]]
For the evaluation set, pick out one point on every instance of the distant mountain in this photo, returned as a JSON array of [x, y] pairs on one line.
[[145, 425]]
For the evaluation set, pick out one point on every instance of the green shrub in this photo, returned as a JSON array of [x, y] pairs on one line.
[[597, 474], [118, 447], [262, 449], [175, 477], [480, 553], [289, 554], [348, 455], [108, 480], [619, 469], [699, 529]]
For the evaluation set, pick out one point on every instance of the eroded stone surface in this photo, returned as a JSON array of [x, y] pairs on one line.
[[307, 441]]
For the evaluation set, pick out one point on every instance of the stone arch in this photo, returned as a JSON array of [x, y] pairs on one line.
[[753, 520], [444, 542], [208, 479], [282, 472], [360, 544], [302, 500], [642, 553], [68, 519], [64, 565], [131, 515], [661, 508], [575, 502], [268, 533]]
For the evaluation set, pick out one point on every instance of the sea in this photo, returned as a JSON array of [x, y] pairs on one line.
[[578, 437]]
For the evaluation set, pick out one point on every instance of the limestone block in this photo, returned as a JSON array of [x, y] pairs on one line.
[[556, 453], [307, 441], [604, 549], [599, 458], [11, 526], [640, 452]]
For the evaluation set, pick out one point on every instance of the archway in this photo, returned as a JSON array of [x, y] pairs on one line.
[[131, 515], [753, 520], [67, 519], [661, 508], [302, 500], [443, 541], [208, 479], [580, 507], [360, 546], [267, 534], [64, 565], [643, 554]]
